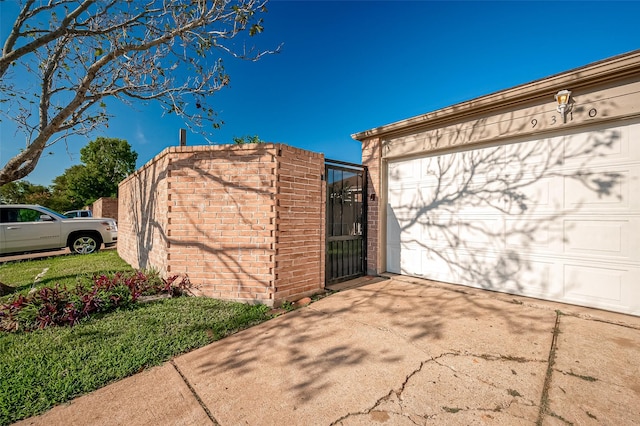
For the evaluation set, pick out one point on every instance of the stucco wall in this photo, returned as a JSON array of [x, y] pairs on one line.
[[243, 222]]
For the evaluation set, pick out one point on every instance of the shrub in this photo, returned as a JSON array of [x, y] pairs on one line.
[[59, 306]]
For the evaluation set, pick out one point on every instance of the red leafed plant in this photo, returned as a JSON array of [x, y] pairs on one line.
[[58, 306]]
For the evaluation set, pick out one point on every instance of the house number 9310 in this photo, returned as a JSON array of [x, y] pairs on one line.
[[554, 118]]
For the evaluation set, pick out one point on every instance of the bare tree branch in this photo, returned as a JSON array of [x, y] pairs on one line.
[[55, 73], [10, 55]]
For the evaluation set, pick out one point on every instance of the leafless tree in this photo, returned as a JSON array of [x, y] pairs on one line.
[[63, 59]]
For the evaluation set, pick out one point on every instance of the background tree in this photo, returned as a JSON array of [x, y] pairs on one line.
[[106, 161], [24, 192], [63, 198], [62, 59], [246, 139]]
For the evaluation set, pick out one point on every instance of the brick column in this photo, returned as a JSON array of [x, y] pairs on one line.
[[371, 157]]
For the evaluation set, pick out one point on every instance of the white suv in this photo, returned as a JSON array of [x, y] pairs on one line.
[[71, 214], [25, 228]]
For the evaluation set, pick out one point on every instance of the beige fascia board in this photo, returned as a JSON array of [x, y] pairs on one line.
[[605, 71]]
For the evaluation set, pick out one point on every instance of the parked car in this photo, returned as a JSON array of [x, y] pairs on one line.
[[71, 214], [26, 228]]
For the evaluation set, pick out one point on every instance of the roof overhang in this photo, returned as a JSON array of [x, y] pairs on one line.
[[605, 71]]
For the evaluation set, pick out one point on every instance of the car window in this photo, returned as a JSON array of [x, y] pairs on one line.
[[52, 213], [9, 215], [29, 215], [20, 215]]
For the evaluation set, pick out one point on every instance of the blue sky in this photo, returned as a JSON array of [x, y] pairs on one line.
[[348, 66]]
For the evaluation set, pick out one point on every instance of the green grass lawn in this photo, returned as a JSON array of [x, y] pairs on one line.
[[64, 270], [43, 368]]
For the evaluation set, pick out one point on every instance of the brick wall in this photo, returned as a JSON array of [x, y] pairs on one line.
[[105, 207], [300, 235], [143, 216], [371, 157], [243, 222], [222, 219]]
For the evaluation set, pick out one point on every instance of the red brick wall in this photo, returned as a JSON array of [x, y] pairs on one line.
[[222, 219], [243, 222], [143, 219], [105, 207], [300, 235], [371, 157]]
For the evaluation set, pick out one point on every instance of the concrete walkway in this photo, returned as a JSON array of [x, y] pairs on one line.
[[402, 352]]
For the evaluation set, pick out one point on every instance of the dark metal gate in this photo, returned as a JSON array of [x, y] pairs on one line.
[[346, 254]]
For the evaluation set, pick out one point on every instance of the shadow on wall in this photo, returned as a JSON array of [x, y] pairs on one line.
[[143, 209], [196, 223], [476, 214], [243, 222]]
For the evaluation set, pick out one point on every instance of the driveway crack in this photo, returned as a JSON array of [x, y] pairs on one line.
[[488, 357], [386, 397], [544, 398], [195, 394]]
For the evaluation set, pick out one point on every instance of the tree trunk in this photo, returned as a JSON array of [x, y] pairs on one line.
[[6, 289]]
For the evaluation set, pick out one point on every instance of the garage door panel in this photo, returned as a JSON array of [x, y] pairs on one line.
[[488, 270], [613, 188], [598, 146], [458, 198], [603, 286], [463, 168], [440, 231], [612, 239], [525, 275], [445, 167], [524, 194], [411, 262], [531, 233], [534, 279], [538, 195], [534, 158], [394, 231], [393, 259], [411, 231], [481, 160], [407, 171], [430, 195], [585, 282], [438, 170], [440, 264], [480, 169], [556, 218], [481, 232], [404, 200], [508, 272]]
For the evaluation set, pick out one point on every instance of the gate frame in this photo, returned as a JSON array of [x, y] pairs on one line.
[[354, 168]]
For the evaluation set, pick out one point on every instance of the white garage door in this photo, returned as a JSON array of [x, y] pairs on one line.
[[555, 218]]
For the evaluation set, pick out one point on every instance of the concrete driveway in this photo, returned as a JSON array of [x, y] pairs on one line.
[[402, 352]]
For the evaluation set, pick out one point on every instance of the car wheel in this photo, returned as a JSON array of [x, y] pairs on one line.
[[84, 244]]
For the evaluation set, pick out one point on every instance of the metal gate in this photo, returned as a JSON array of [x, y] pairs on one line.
[[346, 216]]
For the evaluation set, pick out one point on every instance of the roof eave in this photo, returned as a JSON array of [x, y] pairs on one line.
[[614, 68]]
